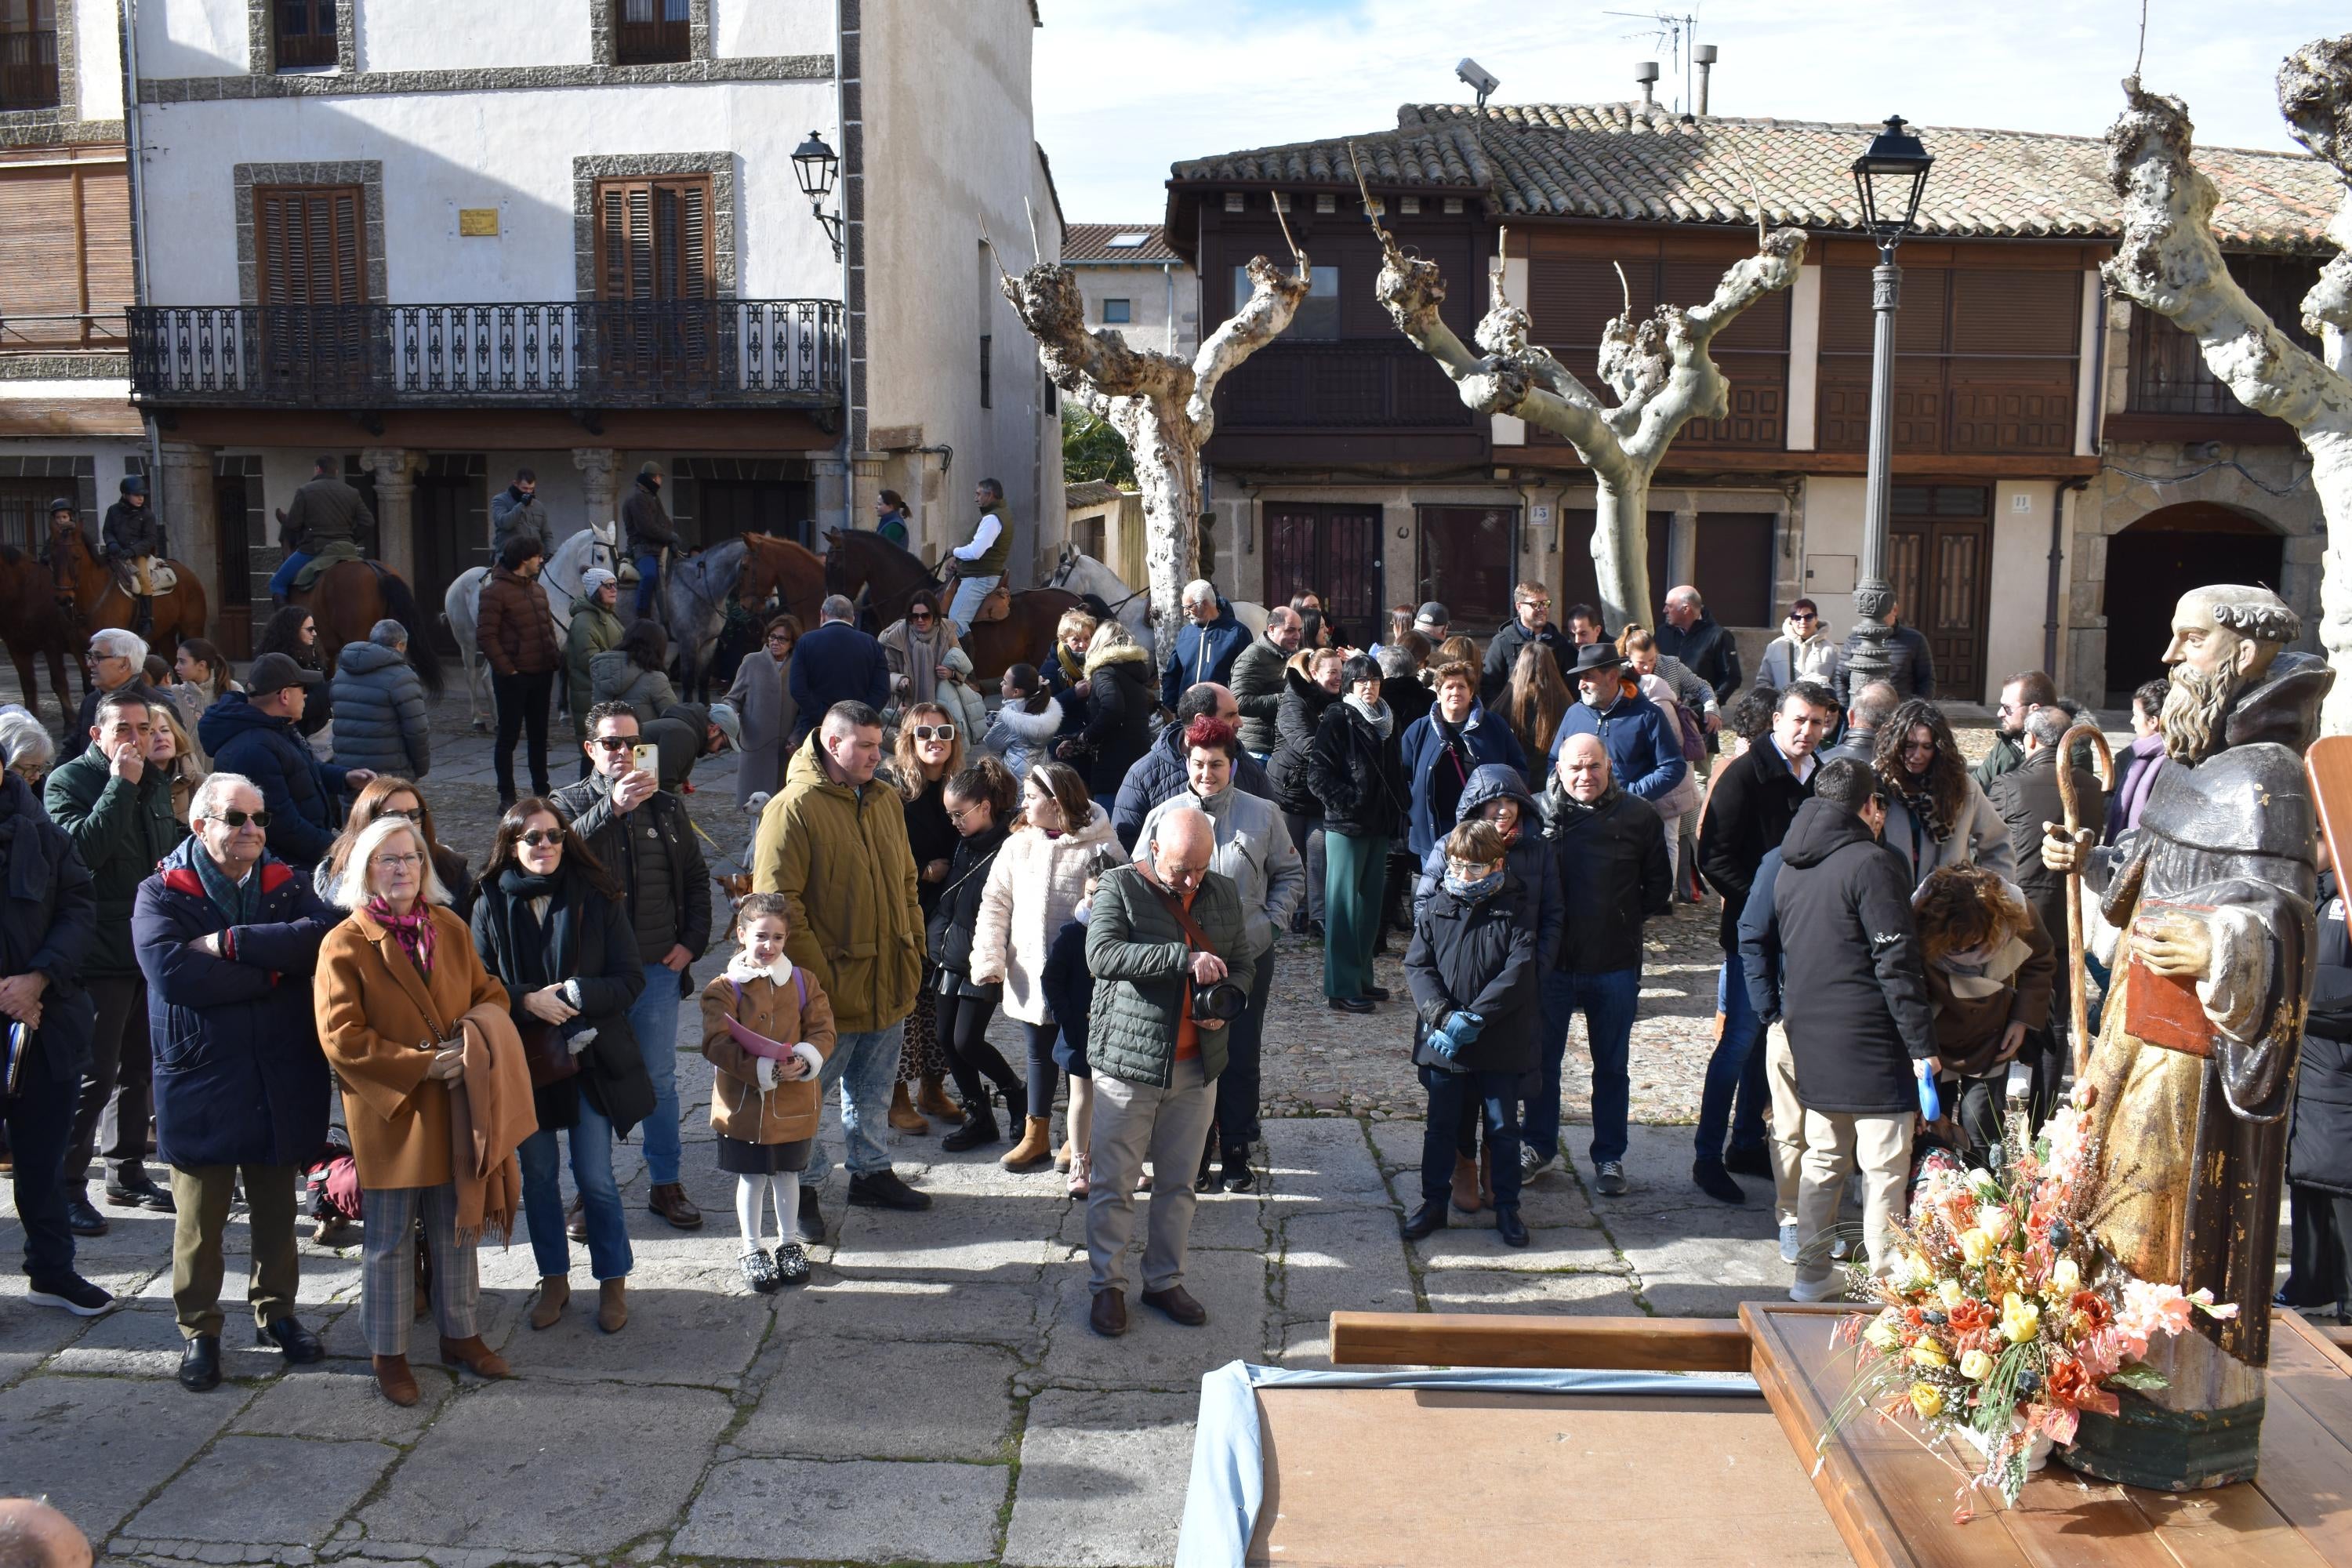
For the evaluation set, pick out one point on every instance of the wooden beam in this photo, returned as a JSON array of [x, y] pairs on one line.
[[1600, 1344]]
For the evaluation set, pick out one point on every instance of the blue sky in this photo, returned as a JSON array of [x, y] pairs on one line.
[[1124, 87]]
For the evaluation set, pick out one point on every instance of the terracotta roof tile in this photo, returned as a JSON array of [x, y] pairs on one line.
[[1092, 242]]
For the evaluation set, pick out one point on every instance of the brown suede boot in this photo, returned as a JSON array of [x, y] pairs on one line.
[[554, 1295], [394, 1381], [902, 1112], [1062, 1155], [931, 1099], [1035, 1148], [475, 1356], [1465, 1186], [613, 1305]]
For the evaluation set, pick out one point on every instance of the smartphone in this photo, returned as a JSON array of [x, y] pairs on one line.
[[645, 757]]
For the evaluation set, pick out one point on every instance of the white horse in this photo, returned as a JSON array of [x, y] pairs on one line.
[[1079, 572], [596, 545]]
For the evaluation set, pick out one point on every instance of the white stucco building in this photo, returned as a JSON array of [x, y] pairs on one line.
[[439, 241], [1132, 281]]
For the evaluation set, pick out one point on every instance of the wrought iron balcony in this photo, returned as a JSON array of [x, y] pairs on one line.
[[1355, 384], [589, 353]]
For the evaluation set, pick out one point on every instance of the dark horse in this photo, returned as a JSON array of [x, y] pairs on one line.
[[750, 567], [347, 601], [33, 622], [858, 562]]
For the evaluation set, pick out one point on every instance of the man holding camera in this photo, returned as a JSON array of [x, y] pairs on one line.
[[1168, 948]]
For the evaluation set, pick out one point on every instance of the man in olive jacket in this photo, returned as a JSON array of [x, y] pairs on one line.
[[834, 842], [1155, 1058]]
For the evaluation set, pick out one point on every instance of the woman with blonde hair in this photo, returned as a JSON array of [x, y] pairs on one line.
[[1536, 700], [930, 752], [1065, 672], [169, 748], [388, 796]]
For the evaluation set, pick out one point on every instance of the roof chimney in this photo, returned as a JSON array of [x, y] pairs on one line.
[[1647, 73], [1704, 57]]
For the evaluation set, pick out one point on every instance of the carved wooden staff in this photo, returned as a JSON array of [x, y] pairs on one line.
[[2077, 970]]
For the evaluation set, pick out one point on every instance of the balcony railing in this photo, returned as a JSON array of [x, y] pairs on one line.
[[1340, 385], [590, 353]]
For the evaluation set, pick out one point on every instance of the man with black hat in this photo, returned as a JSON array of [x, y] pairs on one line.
[[1432, 621], [132, 537], [648, 532], [252, 732], [1645, 752], [324, 512]]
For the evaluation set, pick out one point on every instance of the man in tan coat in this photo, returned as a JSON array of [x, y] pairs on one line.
[[833, 843]]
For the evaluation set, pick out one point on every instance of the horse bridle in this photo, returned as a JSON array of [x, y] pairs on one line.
[[1061, 579]]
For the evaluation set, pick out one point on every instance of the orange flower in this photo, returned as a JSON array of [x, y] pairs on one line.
[[2068, 1384], [2092, 1305], [1970, 1316]]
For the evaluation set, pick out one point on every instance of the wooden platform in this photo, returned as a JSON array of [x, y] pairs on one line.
[[1891, 1502]]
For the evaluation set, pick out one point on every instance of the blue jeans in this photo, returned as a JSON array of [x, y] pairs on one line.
[[1724, 1070], [1609, 1001], [1496, 1094], [591, 1138], [648, 578], [865, 1065], [969, 593], [281, 582], [653, 1020]]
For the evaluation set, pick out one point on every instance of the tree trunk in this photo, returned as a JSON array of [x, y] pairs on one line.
[[1621, 550], [1167, 472]]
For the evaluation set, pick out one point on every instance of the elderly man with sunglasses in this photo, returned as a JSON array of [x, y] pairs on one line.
[[227, 935]]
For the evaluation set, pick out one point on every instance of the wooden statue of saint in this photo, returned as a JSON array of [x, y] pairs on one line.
[[2210, 905]]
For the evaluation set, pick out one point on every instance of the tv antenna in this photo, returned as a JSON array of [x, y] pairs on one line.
[[1673, 35]]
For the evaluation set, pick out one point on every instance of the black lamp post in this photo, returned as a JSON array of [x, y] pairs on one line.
[[814, 165], [1889, 178]]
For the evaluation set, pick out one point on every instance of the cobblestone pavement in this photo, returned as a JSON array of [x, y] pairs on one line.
[[933, 1394]]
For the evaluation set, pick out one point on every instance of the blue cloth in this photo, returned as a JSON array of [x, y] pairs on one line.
[[648, 579], [1726, 1068], [865, 1063], [609, 1255], [302, 793], [836, 663], [281, 582], [240, 1076], [1610, 1001], [1486, 739], [1497, 1095], [1069, 989], [1202, 653], [1161, 774], [39, 1121], [653, 1018], [1646, 753]]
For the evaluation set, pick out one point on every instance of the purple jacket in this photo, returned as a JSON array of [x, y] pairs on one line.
[[2141, 762]]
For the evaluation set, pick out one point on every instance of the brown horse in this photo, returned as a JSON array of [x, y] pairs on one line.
[[348, 599], [858, 562], [792, 573], [95, 599], [33, 622]]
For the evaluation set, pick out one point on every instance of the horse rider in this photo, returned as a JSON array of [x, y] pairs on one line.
[[132, 541], [648, 532], [980, 560], [63, 514], [325, 512]]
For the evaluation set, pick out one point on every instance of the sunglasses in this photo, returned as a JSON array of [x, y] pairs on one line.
[[919, 614], [540, 837], [239, 818], [935, 731], [613, 742], [1804, 615]]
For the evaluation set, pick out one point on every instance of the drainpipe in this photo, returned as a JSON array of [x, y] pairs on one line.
[[848, 250], [2057, 569], [134, 128], [1167, 275]]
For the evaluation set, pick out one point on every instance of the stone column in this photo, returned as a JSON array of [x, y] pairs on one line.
[[1682, 557], [599, 487], [865, 487], [832, 479], [395, 507], [184, 494]]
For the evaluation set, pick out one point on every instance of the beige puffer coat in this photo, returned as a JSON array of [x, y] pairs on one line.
[[1033, 889]]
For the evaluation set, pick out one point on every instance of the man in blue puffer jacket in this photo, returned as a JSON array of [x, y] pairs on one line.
[[1208, 642], [379, 705], [252, 732]]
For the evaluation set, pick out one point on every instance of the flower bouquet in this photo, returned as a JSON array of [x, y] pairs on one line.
[[2000, 1321]]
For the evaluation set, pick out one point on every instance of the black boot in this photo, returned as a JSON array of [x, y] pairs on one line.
[[978, 1130], [142, 612]]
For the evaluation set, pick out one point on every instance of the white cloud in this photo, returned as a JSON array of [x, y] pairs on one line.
[[1125, 88]]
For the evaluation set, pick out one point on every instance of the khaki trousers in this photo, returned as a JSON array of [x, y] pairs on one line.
[[1135, 1122], [1835, 1146], [1787, 1122], [202, 1193]]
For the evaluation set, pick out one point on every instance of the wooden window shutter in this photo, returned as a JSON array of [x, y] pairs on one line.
[[1572, 300], [2015, 313], [40, 266], [654, 238], [310, 242]]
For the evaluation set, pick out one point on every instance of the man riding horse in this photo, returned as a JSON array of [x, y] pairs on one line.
[[979, 561], [649, 532], [132, 542], [326, 517]]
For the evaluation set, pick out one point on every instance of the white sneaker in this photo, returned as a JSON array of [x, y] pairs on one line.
[[1828, 1289], [1787, 1241]]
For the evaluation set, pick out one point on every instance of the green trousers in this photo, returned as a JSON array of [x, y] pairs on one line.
[[1355, 872], [202, 1193]]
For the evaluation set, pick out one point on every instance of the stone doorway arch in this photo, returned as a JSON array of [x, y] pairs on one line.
[[2161, 556]]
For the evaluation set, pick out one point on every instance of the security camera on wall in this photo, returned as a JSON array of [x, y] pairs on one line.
[[1478, 79]]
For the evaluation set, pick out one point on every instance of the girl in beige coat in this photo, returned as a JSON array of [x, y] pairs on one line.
[[766, 1110], [1034, 887]]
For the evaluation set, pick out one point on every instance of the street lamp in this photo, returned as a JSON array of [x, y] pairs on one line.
[[815, 164], [1889, 178]]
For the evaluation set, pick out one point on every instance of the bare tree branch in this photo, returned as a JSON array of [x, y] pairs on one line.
[[1272, 302], [2314, 91]]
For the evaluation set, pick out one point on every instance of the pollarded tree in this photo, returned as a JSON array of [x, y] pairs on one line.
[[1163, 407], [1659, 369], [2169, 263]]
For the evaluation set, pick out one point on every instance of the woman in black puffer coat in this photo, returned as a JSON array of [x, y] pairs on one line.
[[1310, 683], [1357, 769], [981, 801], [1119, 699], [2319, 1149]]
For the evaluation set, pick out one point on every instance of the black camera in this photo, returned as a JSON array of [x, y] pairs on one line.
[[1222, 1000]]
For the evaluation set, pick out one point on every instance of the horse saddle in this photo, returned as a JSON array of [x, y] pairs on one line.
[[161, 578], [332, 552], [997, 606]]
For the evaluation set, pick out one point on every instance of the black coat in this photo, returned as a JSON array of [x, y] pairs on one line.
[[1503, 652], [2319, 1149], [1914, 671], [1755, 799], [303, 795], [1611, 862], [1480, 956], [1710, 652], [48, 924], [1410, 701], [1119, 702], [590, 945], [949, 926], [1297, 718], [1358, 775], [1854, 991], [587, 805], [836, 663]]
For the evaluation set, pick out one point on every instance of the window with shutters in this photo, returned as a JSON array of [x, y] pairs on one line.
[[650, 32], [654, 271], [310, 280], [305, 33], [2168, 369], [1985, 361], [28, 54], [64, 250]]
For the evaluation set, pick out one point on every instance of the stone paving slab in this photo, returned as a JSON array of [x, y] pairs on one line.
[[853, 1510], [1155, 1352], [1102, 1478], [336, 1400], [1344, 1259], [919, 1402], [264, 1491], [97, 1447]]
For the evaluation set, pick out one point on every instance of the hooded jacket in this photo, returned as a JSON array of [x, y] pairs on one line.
[[1429, 746], [239, 1076], [1854, 988], [1256, 681], [840, 857], [1022, 739], [1254, 850], [120, 830], [614, 677], [1301, 714], [1161, 774], [1358, 775], [516, 628], [380, 719], [1118, 716], [1479, 956], [1203, 653], [1530, 856], [1034, 886], [1794, 657], [1610, 861], [303, 795], [594, 630], [1645, 750]]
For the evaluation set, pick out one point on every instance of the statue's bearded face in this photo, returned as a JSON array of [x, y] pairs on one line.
[[2195, 707]]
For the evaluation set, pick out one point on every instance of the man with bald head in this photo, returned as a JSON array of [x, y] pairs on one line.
[[1691, 635], [1608, 852], [35, 1535], [1168, 948]]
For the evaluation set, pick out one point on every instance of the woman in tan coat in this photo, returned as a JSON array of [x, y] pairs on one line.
[[766, 1107], [395, 982]]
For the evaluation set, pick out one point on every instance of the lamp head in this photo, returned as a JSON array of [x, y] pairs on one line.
[[815, 164], [1890, 177]]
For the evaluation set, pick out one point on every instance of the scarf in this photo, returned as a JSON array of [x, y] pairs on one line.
[[742, 971], [1074, 666], [241, 901], [1474, 892], [1566, 808], [1983, 971], [1376, 714], [412, 931], [539, 949], [1918, 799]]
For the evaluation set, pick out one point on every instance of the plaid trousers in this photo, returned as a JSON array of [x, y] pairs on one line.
[[388, 1267]]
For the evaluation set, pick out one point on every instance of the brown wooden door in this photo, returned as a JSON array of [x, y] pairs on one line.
[[1330, 550], [1467, 558], [658, 326], [311, 277], [1940, 558]]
